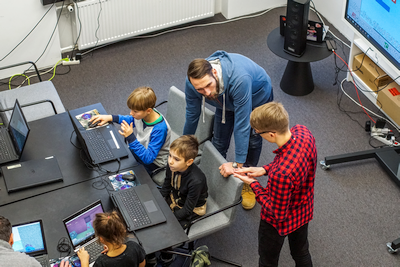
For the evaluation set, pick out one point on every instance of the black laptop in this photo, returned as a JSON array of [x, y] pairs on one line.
[[101, 144], [138, 207], [29, 239], [31, 173], [13, 138]]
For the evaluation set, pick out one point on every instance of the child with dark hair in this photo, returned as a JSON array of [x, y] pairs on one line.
[[111, 232]]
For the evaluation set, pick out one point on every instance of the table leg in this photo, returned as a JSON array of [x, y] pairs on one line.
[[297, 79]]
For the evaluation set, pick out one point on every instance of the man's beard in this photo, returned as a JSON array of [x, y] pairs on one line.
[[215, 94]]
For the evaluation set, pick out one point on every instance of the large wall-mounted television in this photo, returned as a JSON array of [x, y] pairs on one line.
[[378, 22]]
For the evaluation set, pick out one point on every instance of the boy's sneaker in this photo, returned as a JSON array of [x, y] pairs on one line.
[[248, 197], [167, 262]]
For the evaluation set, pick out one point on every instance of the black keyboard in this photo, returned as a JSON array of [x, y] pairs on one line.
[[134, 208], [98, 144], [43, 260], [5, 152], [94, 249]]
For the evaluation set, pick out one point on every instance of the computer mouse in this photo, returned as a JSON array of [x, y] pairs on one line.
[[93, 124], [128, 177]]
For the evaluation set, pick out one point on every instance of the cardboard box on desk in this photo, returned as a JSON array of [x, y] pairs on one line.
[[389, 101], [373, 76]]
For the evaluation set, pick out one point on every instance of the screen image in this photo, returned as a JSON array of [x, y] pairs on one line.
[[19, 129], [28, 238], [80, 228], [377, 21]]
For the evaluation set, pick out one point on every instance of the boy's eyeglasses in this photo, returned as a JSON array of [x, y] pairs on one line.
[[256, 134]]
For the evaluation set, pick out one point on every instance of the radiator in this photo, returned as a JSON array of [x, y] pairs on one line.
[[103, 21]]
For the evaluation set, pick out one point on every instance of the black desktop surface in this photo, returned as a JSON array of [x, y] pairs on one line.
[[52, 136]]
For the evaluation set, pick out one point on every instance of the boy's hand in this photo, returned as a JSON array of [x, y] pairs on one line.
[[102, 118], [83, 256], [65, 264], [126, 129]]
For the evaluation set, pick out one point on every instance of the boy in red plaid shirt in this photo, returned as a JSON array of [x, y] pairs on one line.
[[287, 202]]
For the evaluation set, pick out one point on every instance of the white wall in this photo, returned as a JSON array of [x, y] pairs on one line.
[[17, 19]]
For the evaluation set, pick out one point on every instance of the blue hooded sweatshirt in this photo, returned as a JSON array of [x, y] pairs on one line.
[[246, 86]]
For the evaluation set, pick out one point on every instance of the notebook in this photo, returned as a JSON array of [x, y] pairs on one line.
[[31, 173], [81, 232], [13, 138], [101, 144], [29, 238], [138, 207]]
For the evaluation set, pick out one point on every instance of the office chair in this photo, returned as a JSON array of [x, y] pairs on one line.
[[175, 116], [38, 100], [224, 195]]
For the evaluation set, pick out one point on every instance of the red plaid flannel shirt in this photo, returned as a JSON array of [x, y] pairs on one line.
[[287, 203]]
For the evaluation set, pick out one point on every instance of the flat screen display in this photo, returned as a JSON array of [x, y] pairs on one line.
[[378, 22]]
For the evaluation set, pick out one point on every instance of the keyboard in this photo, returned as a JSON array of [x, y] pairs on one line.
[[135, 208], [94, 249], [98, 144], [43, 260], [5, 152]]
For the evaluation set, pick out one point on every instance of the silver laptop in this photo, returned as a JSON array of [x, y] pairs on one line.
[[13, 138], [29, 238], [81, 232]]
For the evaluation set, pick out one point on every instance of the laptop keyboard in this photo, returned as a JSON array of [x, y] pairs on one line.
[[94, 249], [43, 260], [5, 151], [134, 208], [98, 144]]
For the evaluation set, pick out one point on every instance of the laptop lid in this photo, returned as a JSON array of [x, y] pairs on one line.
[[80, 224], [148, 202], [18, 130], [107, 133], [31, 173], [29, 238]]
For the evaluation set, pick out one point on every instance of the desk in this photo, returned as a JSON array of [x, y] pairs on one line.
[[51, 137], [54, 202], [297, 79]]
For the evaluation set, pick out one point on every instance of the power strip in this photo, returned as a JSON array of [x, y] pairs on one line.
[[71, 62]]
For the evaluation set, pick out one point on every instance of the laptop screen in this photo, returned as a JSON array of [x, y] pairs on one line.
[[19, 128], [80, 225], [29, 238]]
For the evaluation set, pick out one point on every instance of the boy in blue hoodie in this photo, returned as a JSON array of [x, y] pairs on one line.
[[150, 145], [235, 85]]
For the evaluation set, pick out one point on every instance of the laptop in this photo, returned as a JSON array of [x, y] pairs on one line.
[[81, 232], [31, 173], [13, 138], [138, 207], [29, 239], [101, 144]]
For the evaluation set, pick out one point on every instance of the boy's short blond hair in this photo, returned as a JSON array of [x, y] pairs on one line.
[[271, 116], [141, 99], [186, 146]]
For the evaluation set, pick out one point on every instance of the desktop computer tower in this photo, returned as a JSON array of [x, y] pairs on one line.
[[296, 27]]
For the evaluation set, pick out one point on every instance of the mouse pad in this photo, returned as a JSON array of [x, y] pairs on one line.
[[120, 184]]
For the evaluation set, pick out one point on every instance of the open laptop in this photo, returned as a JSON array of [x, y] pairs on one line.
[[13, 138], [31, 173], [138, 207], [81, 232], [29, 238], [101, 144]]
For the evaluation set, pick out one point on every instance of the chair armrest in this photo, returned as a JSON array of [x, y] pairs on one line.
[[212, 213], [23, 63], [33, 103]]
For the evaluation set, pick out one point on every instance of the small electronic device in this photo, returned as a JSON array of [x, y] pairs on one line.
[[93, 124], [129, 177]]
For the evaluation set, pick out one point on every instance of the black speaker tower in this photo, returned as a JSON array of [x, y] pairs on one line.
[[296, 27]]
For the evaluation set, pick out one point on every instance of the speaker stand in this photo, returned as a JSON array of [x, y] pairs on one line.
[[297, 79]]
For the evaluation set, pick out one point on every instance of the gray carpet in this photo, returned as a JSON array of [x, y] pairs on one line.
[[356, 204]]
